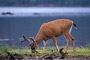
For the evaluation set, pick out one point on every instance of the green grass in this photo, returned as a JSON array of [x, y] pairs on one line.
[[88, 46], [20, 51], [48, 50], [79, 51], [4, 49]]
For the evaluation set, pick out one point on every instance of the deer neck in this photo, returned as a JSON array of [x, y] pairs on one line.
[[38, 39]]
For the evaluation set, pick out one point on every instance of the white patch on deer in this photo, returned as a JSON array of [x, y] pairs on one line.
[[70, 30]]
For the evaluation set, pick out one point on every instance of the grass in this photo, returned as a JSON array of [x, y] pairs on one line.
[[4, 49], [88, 46], [49, 50], [80, 51]]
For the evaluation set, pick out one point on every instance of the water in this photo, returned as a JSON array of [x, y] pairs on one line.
[[13, 26]]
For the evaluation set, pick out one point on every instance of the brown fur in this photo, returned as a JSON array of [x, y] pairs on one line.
[[55, 29], [52, 30]]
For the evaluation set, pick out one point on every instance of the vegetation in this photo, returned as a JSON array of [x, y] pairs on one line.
[[4, 49], [49, 50], [88, 46], [58, 3]]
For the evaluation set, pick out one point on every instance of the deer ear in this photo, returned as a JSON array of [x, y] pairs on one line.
[[32, 38]]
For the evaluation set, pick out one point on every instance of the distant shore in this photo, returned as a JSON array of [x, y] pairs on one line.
[[44, 11]]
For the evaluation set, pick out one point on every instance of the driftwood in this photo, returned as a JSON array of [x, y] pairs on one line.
[[63, 55], [53, 56], [15, 56]]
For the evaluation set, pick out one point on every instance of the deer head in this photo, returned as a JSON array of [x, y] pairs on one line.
[[32, 44]]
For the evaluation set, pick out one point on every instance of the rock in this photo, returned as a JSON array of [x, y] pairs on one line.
[[7, 13]]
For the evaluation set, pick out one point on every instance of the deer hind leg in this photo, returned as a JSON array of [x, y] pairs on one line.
[[44, 44], [68, 41], [55, 42], [73, 41]]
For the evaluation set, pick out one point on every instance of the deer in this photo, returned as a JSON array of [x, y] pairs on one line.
[[51, 30]]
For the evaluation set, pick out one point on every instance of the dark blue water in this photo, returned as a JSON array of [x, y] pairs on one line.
[[12, 28]]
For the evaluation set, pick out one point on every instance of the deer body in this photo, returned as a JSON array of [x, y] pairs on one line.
[[55, 29]]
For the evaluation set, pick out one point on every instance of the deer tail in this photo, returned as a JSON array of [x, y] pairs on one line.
[[74, 25]]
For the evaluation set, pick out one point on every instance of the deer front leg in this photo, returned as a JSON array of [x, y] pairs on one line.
[[55, 42], [44, 44]]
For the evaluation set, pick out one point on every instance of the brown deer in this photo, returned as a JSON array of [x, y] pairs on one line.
[[52, 30]]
